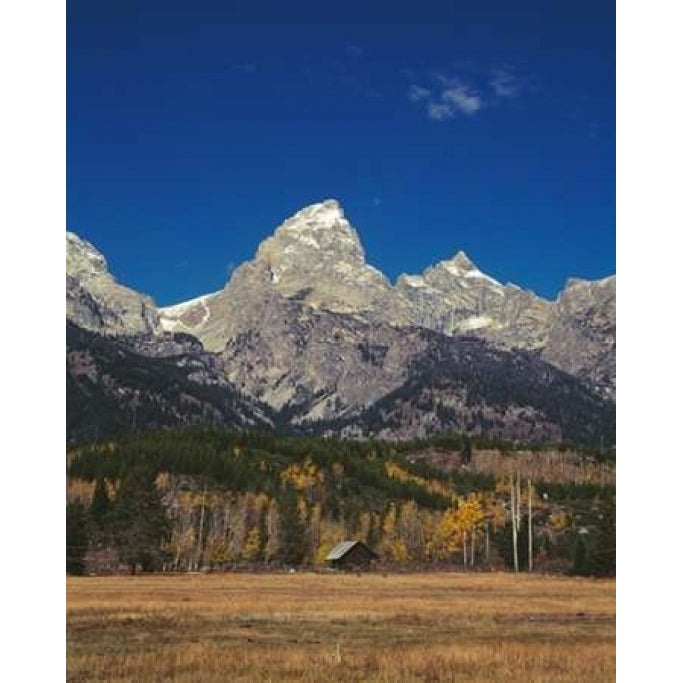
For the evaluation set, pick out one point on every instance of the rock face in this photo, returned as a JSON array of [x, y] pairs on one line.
[[313, 331], [304, 359], [111, 388], [95, 301], [315, 259], [455, 297], [582, 333], [468, 385]]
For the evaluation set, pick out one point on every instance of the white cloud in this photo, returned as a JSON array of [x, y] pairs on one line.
[[416, 93], [504, 83], [452, 98], [462, 99], [439, 112]]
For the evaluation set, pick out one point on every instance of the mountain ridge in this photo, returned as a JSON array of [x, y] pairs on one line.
[[310, 329]]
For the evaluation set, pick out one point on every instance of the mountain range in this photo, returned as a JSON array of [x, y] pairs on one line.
[[308, 336]]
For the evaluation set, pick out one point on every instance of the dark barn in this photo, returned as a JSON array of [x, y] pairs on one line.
[[352, 555]]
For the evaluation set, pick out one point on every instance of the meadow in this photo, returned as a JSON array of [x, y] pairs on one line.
[[340, 627]]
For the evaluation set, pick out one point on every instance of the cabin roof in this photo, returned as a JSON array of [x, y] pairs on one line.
[[344, 547]]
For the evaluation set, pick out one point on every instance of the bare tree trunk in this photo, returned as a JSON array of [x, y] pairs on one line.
[[201, 528], [464, 549], [472, 551], [176, 562], [513, 509], [488, 561], [531, 530], [518, 498]]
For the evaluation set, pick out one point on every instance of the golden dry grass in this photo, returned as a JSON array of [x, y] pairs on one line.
[[325, 627]]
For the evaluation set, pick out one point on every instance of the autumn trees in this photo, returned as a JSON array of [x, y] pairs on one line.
[[185, 501]]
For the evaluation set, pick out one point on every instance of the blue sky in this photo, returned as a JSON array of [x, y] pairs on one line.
[[194, 129]]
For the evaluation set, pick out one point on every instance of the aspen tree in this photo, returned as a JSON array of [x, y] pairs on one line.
[[472, 550], [518, 498], [201, 528], [531, 535], [514, 522], [464, 548]]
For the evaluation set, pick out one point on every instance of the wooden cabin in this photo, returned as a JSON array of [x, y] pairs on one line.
[[351, 555]]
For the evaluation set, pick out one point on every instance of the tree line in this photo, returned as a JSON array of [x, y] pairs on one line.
[[196, 499]]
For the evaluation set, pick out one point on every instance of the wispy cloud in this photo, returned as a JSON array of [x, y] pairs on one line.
[[460, 98], [448, 96], [504, 83], [438, 111], [452, 98], [416, 93]]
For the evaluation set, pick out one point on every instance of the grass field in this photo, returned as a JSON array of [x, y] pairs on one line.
[[324, 627]]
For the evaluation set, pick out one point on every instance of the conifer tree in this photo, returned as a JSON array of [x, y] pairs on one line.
[[293, 532], [99, 506], [139, 522], [98, 513], [76, 538], [466, 452]]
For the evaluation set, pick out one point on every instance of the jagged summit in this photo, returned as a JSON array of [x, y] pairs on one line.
[[461, 266], [320, 215], [581, 282], [317, 233], [461, 261], [82, 258], [95, 301], [318, 251]]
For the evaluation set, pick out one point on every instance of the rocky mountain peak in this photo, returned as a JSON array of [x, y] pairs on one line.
[[316, 233], [95, 301], [327, 213], [83, 260], [461, 266], [575, 282], [461, 261]]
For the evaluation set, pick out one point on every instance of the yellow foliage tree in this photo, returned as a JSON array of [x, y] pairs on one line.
[[447, 538], [305, 477], [252, 545], [218, 550]]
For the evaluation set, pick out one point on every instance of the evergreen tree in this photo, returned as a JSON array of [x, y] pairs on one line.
[[466, 452], [581, 562], [76, 537], [293, 531], [595, 553], [603, 561], [139, 522], [98, 514], [99, 506]]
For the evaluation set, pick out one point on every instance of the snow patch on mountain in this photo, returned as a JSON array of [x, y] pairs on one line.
[[171, 316], [475, 323]]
